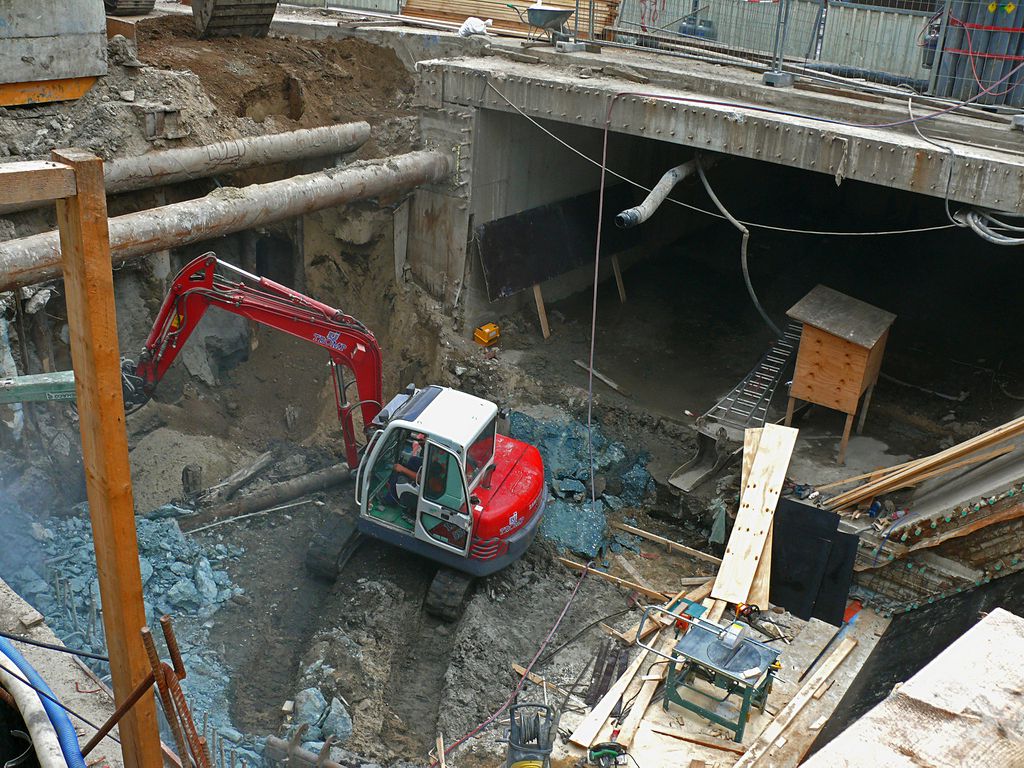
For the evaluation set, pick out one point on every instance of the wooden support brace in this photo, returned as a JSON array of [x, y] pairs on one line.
[[89, 290], [35, 181], [617, 269], [542, 313], [614, 579]]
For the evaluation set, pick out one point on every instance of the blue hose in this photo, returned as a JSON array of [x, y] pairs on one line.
[[58, 717]]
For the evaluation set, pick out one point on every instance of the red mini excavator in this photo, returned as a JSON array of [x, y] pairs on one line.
[[433, 476]]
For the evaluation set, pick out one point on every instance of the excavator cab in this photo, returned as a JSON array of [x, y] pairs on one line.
[[458, 435]]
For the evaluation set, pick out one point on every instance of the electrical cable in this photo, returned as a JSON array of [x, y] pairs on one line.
[[526, 674], [47, 696], [944, 148], [52, 647], [743, 247], [698, 209], [547, 657]]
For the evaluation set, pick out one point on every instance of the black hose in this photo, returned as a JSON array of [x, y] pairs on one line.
[[52, 647]]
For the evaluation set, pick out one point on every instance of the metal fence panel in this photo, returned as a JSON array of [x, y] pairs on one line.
[[983, 50], [878, 39]]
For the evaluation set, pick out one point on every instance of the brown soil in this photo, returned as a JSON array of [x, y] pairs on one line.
[[301, 83]]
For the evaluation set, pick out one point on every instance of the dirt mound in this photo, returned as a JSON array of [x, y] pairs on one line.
[[300, 83]]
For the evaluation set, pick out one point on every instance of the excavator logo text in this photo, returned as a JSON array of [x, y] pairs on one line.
[[330, 340], [513, 522]]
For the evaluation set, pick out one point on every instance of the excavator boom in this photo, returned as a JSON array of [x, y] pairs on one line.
[[198, 287]]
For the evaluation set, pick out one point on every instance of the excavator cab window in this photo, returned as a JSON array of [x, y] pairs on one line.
[[444, 512], [480, 452]]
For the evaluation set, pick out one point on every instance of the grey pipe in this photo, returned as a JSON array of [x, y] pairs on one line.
[[171, 166], [227, 210], [631, 217]]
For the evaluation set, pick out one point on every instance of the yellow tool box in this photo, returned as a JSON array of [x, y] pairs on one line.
[[487, 334]]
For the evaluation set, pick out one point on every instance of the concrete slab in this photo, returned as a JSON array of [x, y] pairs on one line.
[[71, 683]]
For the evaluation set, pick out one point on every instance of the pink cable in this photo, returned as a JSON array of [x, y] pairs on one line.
[[522, 681]]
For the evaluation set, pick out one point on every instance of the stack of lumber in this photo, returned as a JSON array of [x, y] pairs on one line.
[[970, 452], [506, 19]]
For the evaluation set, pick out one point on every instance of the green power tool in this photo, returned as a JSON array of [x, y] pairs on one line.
[[606, 754]]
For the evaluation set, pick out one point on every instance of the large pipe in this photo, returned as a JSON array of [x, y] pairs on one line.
[[227, 210], [631, 217], [171, 166]]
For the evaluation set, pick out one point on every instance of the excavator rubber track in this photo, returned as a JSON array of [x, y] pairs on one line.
[[332, 546], [128, 7], [233, 18]]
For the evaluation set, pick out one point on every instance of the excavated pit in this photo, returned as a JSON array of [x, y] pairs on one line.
[[686, 334]]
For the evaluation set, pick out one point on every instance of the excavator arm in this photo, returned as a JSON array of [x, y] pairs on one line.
[[348, 342]]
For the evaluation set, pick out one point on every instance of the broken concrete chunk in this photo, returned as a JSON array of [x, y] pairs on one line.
[[30, 619], [205, 582], [309, 707], [338, 723], [183, 595]]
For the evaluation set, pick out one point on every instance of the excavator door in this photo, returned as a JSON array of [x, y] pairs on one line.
[[443, 515]]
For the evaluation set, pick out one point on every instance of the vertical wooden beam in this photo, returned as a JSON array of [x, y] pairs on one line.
[[617, 270], [846, 438], [542, 313], [89, 289]]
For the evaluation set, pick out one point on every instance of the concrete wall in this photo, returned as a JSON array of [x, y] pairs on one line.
[[51, 39]]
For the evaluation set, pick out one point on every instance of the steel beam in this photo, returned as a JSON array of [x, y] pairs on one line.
[[38, 387], [980, 176]]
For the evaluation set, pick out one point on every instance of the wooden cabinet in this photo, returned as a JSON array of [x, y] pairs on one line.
[[841, 347]]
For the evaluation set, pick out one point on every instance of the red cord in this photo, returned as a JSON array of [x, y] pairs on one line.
[[522, 681]]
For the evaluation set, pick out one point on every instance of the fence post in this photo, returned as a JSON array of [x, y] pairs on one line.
[[775, 76], [933, 75]]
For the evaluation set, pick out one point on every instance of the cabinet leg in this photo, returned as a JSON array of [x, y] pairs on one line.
[[864, 409], [790, 407]]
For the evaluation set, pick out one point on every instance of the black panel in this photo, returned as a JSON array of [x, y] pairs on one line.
[[529, 247], [830, 606], [812, 563]]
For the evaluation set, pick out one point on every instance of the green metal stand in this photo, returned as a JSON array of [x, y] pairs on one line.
[[683, 673]]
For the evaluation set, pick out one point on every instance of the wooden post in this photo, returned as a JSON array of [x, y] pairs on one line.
[[89, 289], [790, 408], [617, 270], [864, 409], [541, 311]]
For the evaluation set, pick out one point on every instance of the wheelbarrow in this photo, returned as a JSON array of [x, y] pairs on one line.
[[544, 19]]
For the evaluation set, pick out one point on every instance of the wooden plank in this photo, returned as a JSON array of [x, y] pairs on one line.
[[693, 740], [642, 700], [762, 575], [35, 181], [757, 506], [542, 313], [900, 478], [667, 543], [789, 713], [536, 679], [89, 292], [617, 270], [630, 636], [600, 376], [614, 579], [505, 18], [592, 724], [822, 689]]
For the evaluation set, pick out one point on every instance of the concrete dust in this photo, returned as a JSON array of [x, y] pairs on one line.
[[159, 457]]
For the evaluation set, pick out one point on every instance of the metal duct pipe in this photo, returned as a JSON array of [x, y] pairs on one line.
[[171, 166], [227, 210], [641, 213]]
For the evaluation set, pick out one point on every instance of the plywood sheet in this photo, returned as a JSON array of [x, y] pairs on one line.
[[848, 318], [753, 521], [829, 371]]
